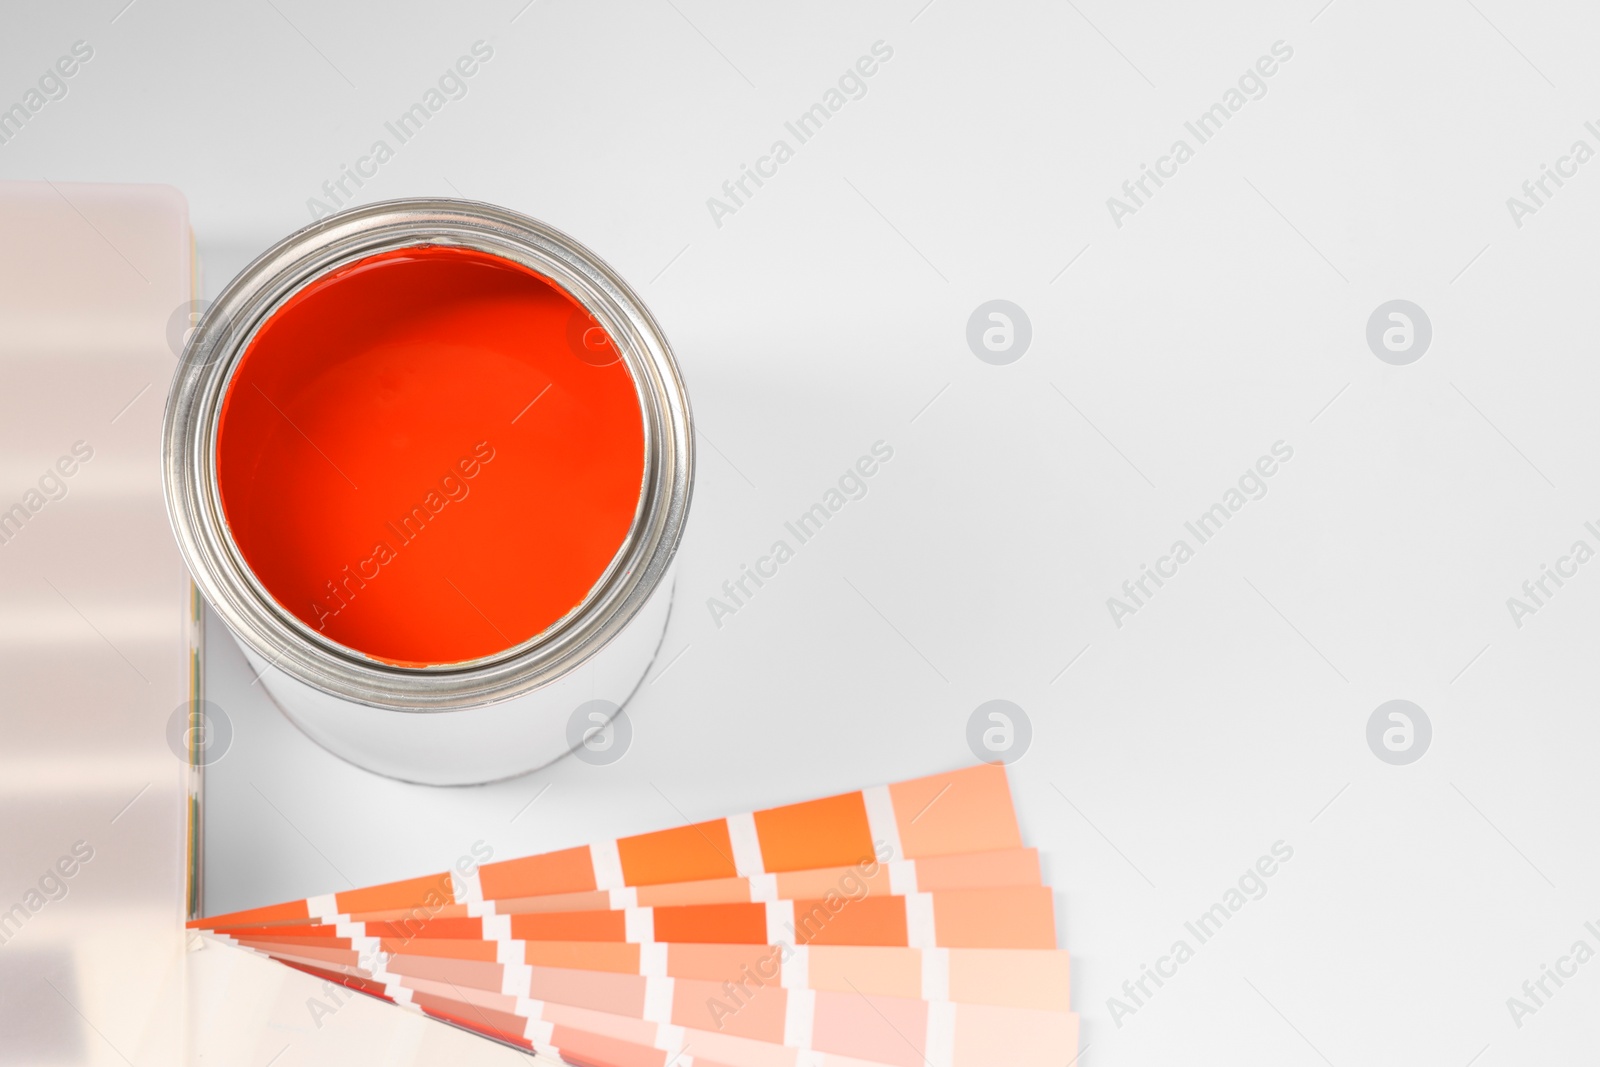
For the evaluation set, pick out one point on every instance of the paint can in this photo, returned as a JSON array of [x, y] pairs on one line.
[[351, 351]]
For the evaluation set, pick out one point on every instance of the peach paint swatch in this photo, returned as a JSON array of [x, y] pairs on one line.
[[858, 1028], [1001, 977]]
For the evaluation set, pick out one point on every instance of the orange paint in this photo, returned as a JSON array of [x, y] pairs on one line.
[[430, 455], [820, 833], [568, 871], [683, 854], [617, 957], [868, 921], [428, 893], [742, 924]]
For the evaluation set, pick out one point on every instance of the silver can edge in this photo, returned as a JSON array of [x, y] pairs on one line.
[[213, 352]]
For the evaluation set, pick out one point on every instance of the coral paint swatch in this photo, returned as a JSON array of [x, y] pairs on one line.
[[430, 455]]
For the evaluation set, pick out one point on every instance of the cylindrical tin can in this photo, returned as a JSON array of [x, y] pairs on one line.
[[496, 715]]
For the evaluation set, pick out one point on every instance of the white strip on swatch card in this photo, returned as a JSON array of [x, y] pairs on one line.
[[747, 861], [935, 974], [607, 859], [324, 908], [639, 925], [920, 931], [509, 951], [940, 1048], [800, 1012], [653, 959], [902, 877], [468, 891], [516, 978], [797, 968], [674, 1041], [780, 922], [881, 820], [658, 993], [539, 1032]]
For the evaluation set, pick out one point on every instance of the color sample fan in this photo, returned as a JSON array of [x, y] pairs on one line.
[[904, 925]]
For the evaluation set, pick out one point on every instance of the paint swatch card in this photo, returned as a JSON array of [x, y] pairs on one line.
[[905, 924]]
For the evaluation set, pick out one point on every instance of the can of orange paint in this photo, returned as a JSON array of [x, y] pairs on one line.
[[430, 462]]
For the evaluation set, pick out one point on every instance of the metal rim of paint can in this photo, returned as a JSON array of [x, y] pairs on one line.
[[190, 471]]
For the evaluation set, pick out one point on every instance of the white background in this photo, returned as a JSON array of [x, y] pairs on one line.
[[830, 312]]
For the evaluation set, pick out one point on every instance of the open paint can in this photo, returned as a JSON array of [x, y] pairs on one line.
[[430, 461]]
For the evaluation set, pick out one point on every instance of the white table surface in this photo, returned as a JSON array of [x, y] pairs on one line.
[[830, 312]]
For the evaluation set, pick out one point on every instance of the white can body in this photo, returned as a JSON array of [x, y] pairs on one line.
[[482, 744]]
